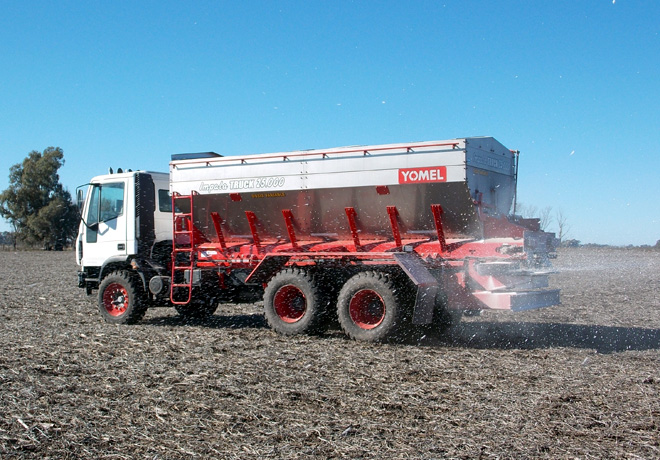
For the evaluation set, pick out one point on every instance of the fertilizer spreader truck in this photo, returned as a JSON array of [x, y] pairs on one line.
[[379, 238]]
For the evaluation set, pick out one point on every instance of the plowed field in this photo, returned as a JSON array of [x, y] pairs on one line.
[[581, 380]]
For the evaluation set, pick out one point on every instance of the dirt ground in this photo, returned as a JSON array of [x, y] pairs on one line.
[[581, 380]]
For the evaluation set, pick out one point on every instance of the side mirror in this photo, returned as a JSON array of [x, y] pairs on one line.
[[79, 198]]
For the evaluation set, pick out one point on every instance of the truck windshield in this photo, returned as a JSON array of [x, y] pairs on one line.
[[106, 202]]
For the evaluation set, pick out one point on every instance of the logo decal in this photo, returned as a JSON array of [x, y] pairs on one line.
[[422, 175], [242, 184]]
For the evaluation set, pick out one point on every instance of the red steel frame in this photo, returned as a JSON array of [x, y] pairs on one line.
[[243, 252], [264, 256]]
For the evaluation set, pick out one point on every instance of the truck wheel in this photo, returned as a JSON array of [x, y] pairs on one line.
[[372, 307], [121, 300], [293, 303], [197, 308]]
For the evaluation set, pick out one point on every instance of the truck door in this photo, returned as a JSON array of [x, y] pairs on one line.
[[105, 235]]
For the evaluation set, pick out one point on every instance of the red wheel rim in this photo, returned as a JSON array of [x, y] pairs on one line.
[[115, 299], [290, 303], [367, 309]]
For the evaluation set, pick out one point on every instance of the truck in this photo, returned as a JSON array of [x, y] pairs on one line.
[[377, 239]]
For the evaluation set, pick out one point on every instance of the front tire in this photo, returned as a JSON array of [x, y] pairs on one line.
[[121, 299], [293, 303], [372, 307]]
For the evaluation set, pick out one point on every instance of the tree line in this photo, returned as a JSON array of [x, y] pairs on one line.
[[37, 206], [546, 218]]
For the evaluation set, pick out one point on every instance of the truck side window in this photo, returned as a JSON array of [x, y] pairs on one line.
[[112, 201], [164, 201], [106, 203]]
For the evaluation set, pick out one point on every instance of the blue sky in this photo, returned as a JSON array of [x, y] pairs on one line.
[[573, 85]]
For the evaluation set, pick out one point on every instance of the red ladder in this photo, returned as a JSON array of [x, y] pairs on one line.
[[183, 246]]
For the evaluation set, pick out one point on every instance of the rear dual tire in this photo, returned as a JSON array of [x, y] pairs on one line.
[[294, 303], [371, 307], [374, 306]]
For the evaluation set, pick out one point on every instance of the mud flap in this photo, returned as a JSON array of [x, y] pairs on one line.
[[427, 286]]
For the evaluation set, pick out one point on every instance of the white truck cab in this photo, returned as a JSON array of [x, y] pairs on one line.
[[124, 217]]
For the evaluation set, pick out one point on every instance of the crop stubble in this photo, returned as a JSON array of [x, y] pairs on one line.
[[579, 380]]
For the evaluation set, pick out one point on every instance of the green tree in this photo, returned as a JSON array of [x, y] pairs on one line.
[[36, 205]]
